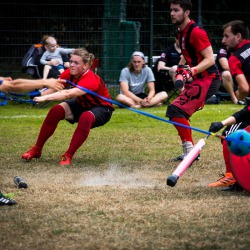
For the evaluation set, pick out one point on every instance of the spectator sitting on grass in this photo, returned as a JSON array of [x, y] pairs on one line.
[[133, 80]]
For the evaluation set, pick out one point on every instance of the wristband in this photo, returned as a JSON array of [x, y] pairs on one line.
[[1, 81], [194, 71]]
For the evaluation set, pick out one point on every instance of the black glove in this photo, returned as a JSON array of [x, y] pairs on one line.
[[215, 127]]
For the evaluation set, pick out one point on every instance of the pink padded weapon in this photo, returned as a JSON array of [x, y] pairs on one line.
[[186, 162]]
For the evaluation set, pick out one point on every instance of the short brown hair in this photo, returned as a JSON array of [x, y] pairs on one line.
[[184, 4], [238, 26]]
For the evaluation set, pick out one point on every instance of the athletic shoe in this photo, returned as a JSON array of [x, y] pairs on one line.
[[6, 201], [34, 152], [233, 188], [187, 146], [181, 157], [65, 160], [225, 181]]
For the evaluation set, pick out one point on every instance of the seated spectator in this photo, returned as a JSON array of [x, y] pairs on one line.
[[133, 80], [165, 67], [52, 57], [228, 83]]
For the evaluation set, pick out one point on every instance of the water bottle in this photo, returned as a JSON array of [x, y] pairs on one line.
[[20, 183]]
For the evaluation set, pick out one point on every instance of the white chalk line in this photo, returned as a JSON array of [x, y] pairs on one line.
[[21, 116]]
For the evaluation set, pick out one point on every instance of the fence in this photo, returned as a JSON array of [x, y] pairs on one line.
[[111, 29]]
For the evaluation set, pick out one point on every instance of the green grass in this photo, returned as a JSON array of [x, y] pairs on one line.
[[114, 195]]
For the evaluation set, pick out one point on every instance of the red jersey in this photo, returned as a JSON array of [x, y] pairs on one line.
[[92, 82], [192, 42], [239, 61]]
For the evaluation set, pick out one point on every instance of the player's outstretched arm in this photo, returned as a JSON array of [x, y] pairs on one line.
[[28, 84]]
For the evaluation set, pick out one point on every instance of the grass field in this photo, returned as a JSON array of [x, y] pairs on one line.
[[114, 195]]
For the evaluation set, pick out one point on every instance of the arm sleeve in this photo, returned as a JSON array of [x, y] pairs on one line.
[[240, 115], [124, 75], [43, 58], [66, 51], [164, 55]]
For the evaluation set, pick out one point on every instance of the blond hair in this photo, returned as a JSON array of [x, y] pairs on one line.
[[85, 55]]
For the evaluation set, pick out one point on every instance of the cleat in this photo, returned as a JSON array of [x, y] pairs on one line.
[[181, 157], [233, 188], [187, 147], [65, 160], [225, 181], [34, 152], [6, 201]]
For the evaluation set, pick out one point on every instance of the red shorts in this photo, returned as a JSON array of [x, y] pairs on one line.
[[194, 95]]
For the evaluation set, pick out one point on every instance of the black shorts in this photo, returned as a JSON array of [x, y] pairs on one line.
[[141, 95], [102, 114]]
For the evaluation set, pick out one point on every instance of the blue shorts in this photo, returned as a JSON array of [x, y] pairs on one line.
[[58, 67]]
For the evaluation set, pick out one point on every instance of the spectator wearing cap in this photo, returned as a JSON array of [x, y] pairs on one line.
[[133, 81]]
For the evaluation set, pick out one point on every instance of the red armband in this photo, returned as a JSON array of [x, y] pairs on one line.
[[194, 71]]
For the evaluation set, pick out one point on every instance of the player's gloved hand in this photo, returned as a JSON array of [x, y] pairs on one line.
[[183, 75], [215, 127]]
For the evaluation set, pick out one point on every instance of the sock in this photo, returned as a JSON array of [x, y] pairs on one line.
[[85, 123], [50, 123], [225, 150], [184, 133], [187, 146]]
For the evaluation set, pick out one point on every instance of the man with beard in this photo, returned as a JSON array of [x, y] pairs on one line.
[[196, 72]]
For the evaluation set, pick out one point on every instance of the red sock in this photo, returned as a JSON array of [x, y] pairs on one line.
[[225, 150], [85, 123], [184, 133], [55, 114]]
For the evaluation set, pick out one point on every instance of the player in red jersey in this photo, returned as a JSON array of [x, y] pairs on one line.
[[235, 38], [87, 110], [200, 75], [239, 120]]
